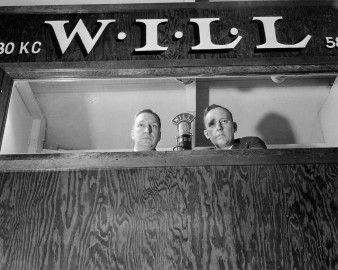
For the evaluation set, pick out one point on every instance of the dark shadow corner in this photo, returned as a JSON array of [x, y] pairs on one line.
[[276, 129]]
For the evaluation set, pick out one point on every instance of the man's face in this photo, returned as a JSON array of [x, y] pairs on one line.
[[220, 128], [146, 132]]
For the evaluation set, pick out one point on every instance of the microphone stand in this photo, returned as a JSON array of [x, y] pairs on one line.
[[183, 122]]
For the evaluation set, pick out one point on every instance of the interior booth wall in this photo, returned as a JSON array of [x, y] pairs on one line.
[[198, 209]]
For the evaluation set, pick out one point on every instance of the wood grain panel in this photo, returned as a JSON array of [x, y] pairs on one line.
[[299, 20], [109, 69], [206, 217], [96, 160], [113, 58]]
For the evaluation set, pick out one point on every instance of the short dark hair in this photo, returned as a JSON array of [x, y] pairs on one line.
[[214, 106], [151, 112]]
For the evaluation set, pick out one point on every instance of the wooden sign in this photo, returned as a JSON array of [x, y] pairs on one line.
[[174, 35]]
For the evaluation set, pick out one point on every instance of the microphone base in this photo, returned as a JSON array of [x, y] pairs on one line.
[[183, 142]]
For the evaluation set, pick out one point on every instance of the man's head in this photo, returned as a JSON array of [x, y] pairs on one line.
[[219, 126], [146, 131]]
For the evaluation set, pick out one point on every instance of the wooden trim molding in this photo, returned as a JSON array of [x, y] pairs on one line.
[[97, 160], [98, 8]]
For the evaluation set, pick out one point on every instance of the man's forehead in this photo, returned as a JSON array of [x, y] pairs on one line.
[[218, 113], [146, 117]]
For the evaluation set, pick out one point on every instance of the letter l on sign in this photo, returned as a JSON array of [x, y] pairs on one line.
[[270, 35]]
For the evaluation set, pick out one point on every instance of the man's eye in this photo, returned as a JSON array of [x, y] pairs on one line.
[[154, 126], [141, 125], [224, 121]]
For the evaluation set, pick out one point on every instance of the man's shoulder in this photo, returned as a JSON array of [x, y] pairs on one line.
[[248, 139], [249, 142]]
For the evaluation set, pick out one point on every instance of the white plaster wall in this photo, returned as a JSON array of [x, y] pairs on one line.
[[329, 116], [88, 115], [286, 113], [18, 127]]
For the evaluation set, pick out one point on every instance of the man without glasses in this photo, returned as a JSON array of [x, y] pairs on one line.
[[220, 130], [146, 131]]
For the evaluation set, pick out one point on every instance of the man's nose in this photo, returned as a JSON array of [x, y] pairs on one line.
[[219, 125], [148, 129]]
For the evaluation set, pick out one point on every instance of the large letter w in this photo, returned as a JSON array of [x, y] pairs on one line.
[[80, 29]]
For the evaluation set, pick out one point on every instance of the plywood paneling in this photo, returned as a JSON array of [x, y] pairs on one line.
[[198, 217]]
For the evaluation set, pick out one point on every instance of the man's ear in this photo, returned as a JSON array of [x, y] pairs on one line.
[[235, 127], [159, 136], [206, 134], [132, 135]]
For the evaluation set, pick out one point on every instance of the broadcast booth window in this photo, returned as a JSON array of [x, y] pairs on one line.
[[85, 115], [72, 78], [50, 116]]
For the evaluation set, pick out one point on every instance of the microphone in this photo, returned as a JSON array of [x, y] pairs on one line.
[[183, 122]]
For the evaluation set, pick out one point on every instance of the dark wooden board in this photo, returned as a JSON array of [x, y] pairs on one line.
[[99, 160], [204, 217], [299, 20]]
